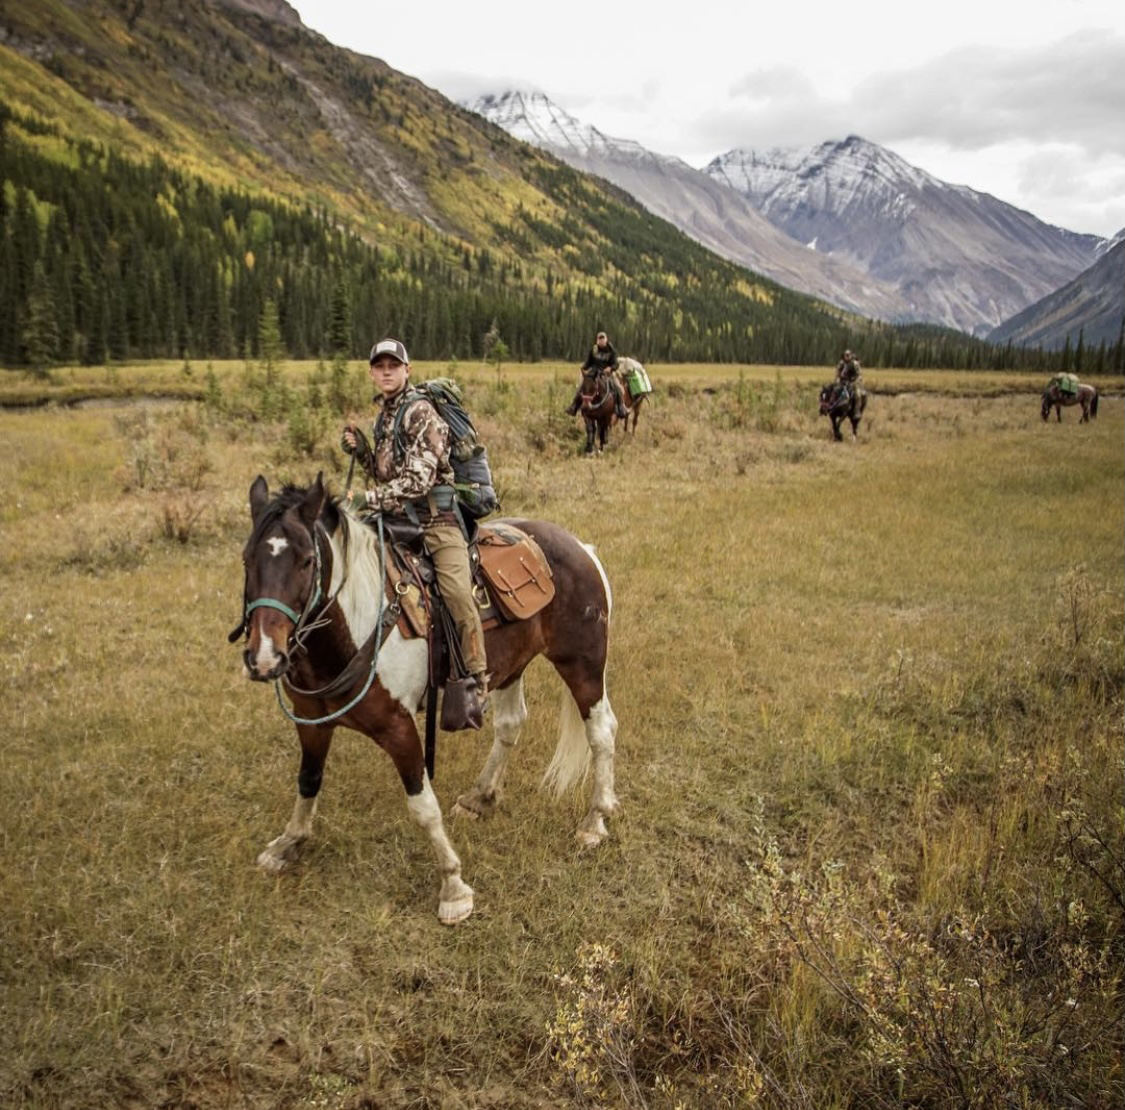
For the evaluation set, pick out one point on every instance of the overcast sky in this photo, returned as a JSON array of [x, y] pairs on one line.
[[1025, 101]]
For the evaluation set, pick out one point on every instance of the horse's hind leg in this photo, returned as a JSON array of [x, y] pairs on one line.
[[601, 736], [587, 736], [282, 851], [509, 711]]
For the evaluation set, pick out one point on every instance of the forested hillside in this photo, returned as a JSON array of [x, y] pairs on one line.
[[172, 173]]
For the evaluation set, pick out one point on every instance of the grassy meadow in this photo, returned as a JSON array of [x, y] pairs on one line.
[[870, 763]]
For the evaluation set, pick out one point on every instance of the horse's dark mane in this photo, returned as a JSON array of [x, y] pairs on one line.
[[290, 497]]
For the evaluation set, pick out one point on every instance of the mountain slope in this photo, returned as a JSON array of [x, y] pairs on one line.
[[1092, 305], [960, 257], [712, 214], [240, 94]]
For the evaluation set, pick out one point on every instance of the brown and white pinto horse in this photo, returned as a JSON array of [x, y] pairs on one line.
[[1086, 396], [315, 600]]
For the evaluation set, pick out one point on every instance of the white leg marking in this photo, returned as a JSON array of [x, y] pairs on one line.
[[282, 851], [456, 901], [509, 711], [601, 734]]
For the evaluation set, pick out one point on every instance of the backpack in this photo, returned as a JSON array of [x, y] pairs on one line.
[[472, 476]]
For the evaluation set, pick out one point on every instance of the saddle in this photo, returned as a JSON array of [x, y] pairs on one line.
[[512, 579]]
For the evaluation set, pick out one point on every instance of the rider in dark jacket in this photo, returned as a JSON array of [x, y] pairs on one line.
[[850, 373], [602, 359]]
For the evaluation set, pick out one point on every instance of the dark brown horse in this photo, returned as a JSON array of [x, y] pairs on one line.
[[598, 409], [316, 621], [840, 402], [1085, 395]]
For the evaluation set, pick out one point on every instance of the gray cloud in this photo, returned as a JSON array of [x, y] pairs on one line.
[[969, 99], [1072, 92]]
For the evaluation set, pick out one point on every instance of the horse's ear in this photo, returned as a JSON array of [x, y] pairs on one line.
[[259, 497], [313, 502]]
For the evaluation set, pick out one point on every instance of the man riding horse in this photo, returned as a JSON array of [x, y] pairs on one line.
[[418, 485], [850, 373], [602, 359]]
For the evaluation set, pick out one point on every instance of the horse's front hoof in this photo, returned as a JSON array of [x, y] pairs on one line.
[[456, 903], [279, 854], [269, 861], [460, 810]]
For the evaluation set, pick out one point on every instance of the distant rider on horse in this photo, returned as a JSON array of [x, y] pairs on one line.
[[850, 373], [602, 359]]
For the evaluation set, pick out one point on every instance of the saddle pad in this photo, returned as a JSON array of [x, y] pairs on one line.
[[516, 570]]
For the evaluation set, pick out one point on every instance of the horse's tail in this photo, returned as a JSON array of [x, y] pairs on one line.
[[571, 760], [1094, 404]]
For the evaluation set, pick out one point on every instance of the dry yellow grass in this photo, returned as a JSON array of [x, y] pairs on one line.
[[870, 700]]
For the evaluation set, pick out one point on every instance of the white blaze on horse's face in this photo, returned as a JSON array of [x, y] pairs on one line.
[[267, 658], [277, 545]]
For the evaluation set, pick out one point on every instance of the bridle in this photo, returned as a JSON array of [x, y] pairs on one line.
[[298, 619], [600, 378], [304, 624]]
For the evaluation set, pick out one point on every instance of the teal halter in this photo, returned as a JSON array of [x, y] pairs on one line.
[[298, 619]]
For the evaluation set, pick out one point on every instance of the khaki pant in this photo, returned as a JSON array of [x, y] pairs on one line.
[[446, 546]]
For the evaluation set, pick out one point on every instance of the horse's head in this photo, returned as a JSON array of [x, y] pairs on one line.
[[282, 559], [594, 389], [831, 396], [1048, 400]]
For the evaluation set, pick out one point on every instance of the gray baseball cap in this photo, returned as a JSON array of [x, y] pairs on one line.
[[390, 347]]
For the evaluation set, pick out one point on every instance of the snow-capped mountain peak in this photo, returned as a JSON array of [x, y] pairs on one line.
[[534, 118], [887, 239], [838, 174]]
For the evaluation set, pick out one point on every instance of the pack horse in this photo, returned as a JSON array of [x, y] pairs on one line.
[[315, 617], [1065, 389]]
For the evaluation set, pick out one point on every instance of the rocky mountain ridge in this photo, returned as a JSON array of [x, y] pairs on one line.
[[708, 212], [960, 257], [859, 226]]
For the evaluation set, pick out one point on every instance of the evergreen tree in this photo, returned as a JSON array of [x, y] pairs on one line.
[[40, 329], [270, 350]]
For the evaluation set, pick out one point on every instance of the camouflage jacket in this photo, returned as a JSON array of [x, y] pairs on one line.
[[424, 462]]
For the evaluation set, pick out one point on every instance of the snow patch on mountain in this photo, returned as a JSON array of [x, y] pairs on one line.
[[533, 118]]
